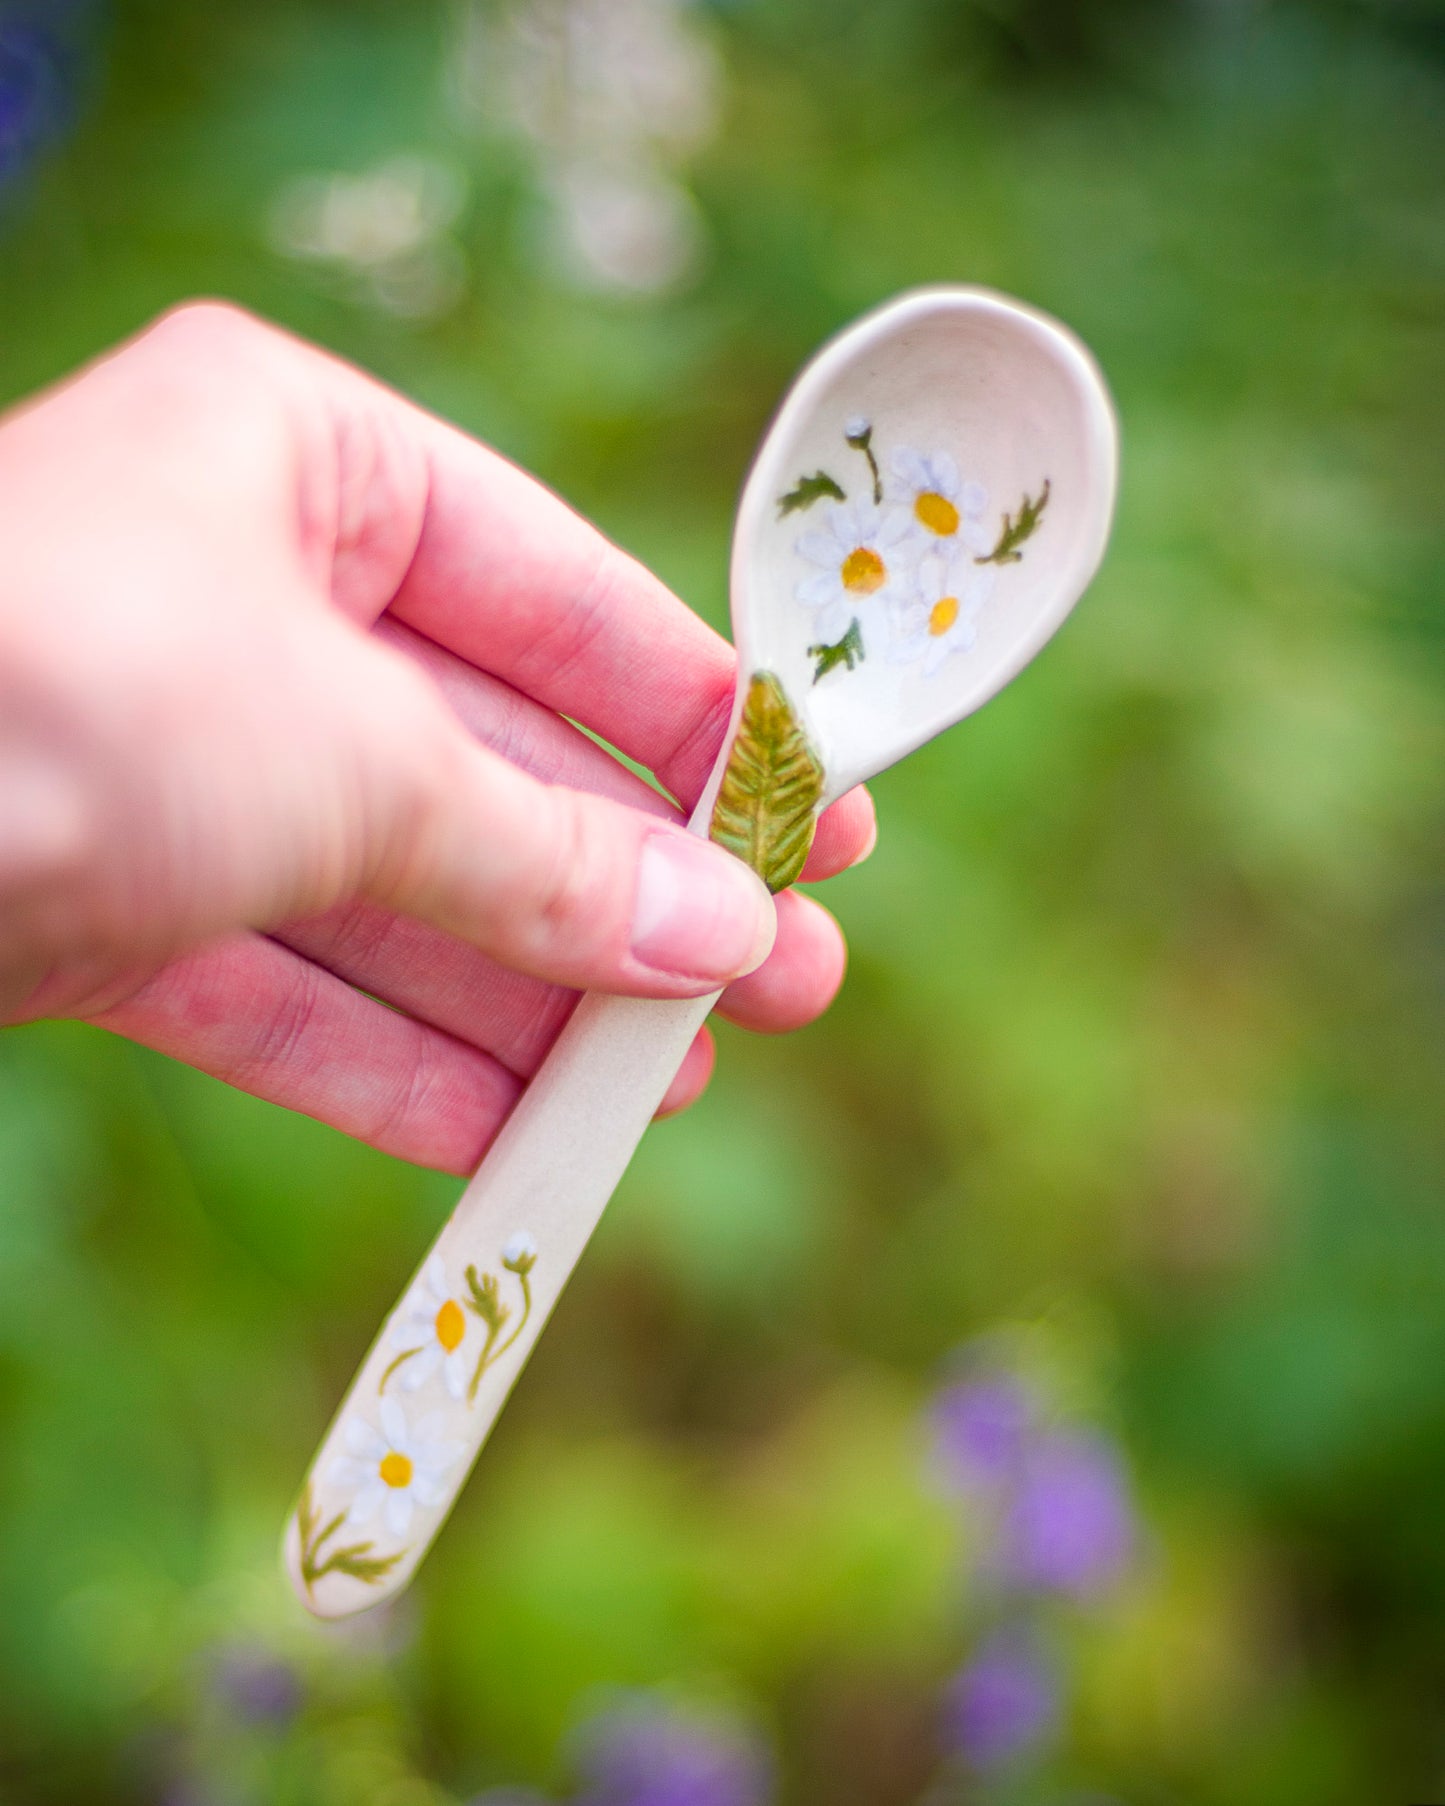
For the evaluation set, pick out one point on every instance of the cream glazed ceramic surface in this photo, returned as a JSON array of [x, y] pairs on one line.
[[930, 502], [968, 407]]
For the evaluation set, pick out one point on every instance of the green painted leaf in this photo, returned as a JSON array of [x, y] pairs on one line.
[[767, 808], [400, 1361], [1013, 533], [360, 1564], [809, 490], [355, 1559], [847, 651], [485, 1299], [307, 1516]]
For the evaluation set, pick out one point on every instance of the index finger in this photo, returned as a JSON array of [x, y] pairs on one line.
[[502, 572], [510, 578]]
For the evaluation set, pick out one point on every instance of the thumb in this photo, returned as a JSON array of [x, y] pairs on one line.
[[569, 887]]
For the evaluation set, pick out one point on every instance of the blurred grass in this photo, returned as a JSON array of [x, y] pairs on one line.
[[1142, 1044]]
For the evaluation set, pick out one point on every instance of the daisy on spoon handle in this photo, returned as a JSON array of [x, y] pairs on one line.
[[436, 1378]]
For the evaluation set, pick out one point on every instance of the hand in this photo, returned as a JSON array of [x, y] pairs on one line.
[[284, 666]]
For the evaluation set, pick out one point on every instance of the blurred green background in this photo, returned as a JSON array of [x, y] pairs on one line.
[[1139, 1063]]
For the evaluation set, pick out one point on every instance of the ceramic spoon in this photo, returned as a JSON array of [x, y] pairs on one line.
[[927, 507]]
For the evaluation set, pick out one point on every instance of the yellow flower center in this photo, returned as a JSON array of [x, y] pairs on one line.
[[937, 513], [942, 615], [864, 571], [396, 1469], [451, 1325]]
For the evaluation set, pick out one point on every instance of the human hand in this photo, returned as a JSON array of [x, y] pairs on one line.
[[284, 666]]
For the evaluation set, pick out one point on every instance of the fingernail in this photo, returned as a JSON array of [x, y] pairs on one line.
[[699, 912], [872, 841]]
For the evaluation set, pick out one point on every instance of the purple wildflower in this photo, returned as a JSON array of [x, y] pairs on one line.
[[1069, 1524], [643, 1754], [258, 1688], [33, 103], [981, 1429], [1004, 1705]]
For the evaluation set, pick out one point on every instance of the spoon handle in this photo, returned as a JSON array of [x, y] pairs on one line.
[[434, 1382]]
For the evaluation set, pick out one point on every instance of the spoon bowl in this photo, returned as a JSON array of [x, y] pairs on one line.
[[932, 418], [931, 500]]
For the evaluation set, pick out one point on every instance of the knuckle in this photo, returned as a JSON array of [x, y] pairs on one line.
[[414, 1084], [569, 644], [417, 771], [564, 888], [382, 472], [361, 934], [209, 396], [204, 326], [282, 1032]]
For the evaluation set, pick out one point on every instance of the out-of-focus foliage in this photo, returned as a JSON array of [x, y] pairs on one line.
[[1138, 1069]]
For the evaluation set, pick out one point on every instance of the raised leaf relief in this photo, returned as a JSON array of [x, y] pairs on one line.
[[767, 808]]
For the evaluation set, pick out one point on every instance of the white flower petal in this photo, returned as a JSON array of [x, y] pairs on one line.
[[820, 548], [409, 1329], [420, 1368], [397, 1512], [440, 1457], [363, 1508], [343, 1471], [833, 622], [905, 651], [435, 1277], [361, 1439], [867, 519], [855, 426], [932, 584], [393, 1424], [454, 1371], [973, 498], [813, 592], [943, 468], [977, 537], [893, 528], [908, 467], [427, 1490]]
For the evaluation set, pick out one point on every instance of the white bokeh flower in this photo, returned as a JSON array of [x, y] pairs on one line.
[[429, 1329], [384, 234], [612, 98], [862, 564], [940, 614], [395, 1468], [943, 510]]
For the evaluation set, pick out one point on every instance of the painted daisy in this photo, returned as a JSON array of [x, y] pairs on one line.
[[860, 559], [942, 508], [429, 1329], [940, 615], [396, 1468]]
